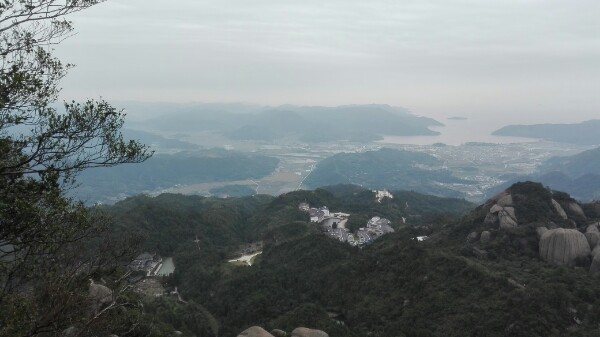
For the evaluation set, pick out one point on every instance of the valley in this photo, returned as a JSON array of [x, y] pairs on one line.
[[481, 165]]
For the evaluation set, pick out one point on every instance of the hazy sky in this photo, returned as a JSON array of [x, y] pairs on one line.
[[502, 59]]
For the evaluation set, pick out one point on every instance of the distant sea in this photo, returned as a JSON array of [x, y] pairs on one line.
[[458, 132]]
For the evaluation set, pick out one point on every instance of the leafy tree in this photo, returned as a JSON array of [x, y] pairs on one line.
[[51, 245]]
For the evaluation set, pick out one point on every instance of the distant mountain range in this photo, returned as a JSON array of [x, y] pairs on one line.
[[386, 168], [309, 124], [158, 142], [584, 133]]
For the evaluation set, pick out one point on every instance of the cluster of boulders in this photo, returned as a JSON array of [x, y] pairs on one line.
[[502, 212], [557, 246], [257, 331]]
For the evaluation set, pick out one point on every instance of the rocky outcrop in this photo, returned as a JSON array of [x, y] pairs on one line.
[[501, 212], [278, 333], [563, 246], [559, 209], [540, 231], [505, 201], [506, 220], [596, 250], [485, 236], [593, 239], [255, 331], [100, 295], [491, 219], [472, 237], [305, 332], [576, 209], [592, 235], [595, 266]]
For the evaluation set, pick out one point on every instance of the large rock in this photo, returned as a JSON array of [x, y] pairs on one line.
[[305, 332], [559, 209], [491, 219], [506, 220], [472, 237], [70, 332], [278, 333], [563, 246], [505, 201], [593, 239], [485, 236], [576, 209], [596, 251], [495, 209], [595, 266], [540, 231], [100, 294], [255, 331]]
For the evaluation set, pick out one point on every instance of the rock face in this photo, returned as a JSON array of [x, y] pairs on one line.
[[595, 266], [592, 235], [505, 201], [593, 239], [255, 331], [485, 236], [563, 246], [506, 220], [540, 231], [472, 237], [305, 332], [100, 295], [502, 212], [278, 333], [559, 209], [576, 209]]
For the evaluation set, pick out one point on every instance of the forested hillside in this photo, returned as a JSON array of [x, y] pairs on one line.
[[386, 168], [471, 276]]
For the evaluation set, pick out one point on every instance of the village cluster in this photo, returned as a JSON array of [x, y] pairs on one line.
[[334, 225], [147, 263]]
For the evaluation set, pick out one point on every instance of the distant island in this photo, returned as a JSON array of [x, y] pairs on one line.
[[457, 118], [584, 133]]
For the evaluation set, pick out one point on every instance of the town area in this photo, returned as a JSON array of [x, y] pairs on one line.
[[334, 226]]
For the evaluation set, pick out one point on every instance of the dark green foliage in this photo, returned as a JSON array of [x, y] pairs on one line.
[[394, 287], [532, 201], [189, 318], [170, 220]]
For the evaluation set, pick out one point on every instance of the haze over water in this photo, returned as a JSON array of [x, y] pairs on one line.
[[458, 132]]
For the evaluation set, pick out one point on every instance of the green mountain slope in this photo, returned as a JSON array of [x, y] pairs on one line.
[[476, 274], [386, 168]]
